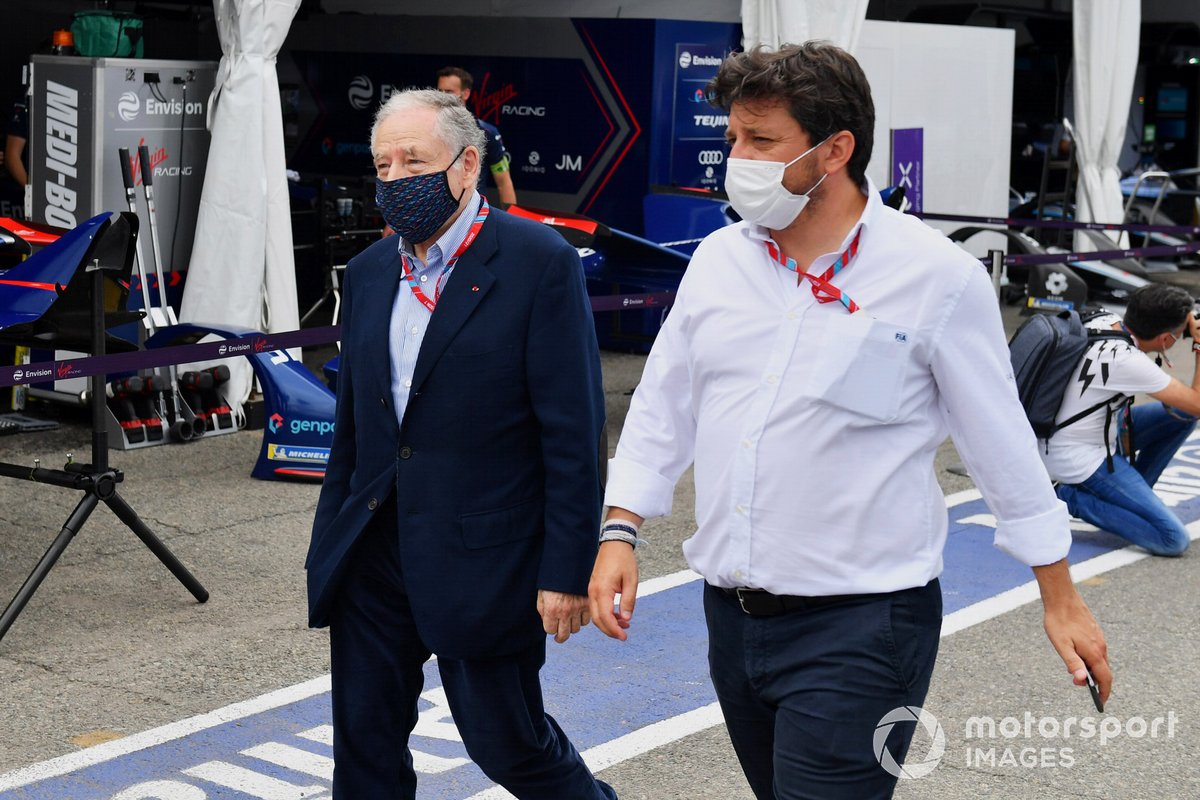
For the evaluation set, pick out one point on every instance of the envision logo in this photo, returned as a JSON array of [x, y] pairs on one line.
[[912, 768], [128, 106], [686, 60], [361, 92]]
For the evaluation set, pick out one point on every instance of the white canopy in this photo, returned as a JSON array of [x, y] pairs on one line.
[[1106, 51], [776, 22], [242, 270]]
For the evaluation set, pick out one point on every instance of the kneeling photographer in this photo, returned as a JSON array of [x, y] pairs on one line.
[[1114, 491]]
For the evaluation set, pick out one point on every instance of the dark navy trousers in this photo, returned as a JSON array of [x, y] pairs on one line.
[[803, 692], [377, 657]]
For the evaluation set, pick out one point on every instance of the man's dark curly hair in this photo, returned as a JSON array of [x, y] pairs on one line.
[[1157, 308], [823, 86]]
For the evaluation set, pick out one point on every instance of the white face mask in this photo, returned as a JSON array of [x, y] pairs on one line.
[[757, 193]]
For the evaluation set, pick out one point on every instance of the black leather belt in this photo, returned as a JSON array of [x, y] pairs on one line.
[[760, 603]]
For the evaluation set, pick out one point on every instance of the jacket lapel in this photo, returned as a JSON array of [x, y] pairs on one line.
[[469, 282], [373, 300]]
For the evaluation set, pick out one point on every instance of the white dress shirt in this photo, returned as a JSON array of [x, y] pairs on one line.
[[813, 430]]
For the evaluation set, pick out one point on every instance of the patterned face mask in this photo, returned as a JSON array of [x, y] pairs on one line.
[[417, 206]]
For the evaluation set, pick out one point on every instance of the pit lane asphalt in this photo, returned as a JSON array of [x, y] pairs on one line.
[[112, 645]]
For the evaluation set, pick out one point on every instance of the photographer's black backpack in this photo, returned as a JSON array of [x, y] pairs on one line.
[[1045, 352]]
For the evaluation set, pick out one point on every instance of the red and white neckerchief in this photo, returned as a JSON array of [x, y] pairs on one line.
[[411, 278], [823, 290]]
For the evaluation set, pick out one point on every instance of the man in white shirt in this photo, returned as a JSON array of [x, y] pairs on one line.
[[1114, 494], [817, 355]]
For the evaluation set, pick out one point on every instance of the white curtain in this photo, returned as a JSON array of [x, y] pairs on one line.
[[1106, 34], [776, 22], [242, 270]]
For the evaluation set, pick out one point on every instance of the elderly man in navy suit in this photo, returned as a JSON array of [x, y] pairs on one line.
[[460, 509]]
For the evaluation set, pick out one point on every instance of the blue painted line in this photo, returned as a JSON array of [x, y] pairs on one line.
[[597, 689]]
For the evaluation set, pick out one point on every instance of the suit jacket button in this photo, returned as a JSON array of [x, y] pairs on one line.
[[406, 452], [372, 504]]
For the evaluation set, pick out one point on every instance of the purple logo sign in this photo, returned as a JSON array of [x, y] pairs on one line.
[[908, 156]]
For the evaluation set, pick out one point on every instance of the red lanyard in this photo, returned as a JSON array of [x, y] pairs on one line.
[[822, 289], [411, 279]]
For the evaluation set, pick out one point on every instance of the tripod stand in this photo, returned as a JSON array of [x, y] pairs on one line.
[[98, 481]]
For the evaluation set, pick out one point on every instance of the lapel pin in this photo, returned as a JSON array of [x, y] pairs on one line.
[[474, 288]]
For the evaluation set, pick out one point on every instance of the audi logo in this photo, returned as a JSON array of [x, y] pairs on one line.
[[711, 158]]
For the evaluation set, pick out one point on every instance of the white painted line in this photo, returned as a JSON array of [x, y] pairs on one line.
[[665, 582], [965, 496], [156, 736], [635, 743], [257, 705], [1026, 593], [632, 744]]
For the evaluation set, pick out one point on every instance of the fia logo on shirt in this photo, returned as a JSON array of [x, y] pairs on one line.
[[902, 337]]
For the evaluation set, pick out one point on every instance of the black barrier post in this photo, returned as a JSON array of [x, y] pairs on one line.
[[97, 480]]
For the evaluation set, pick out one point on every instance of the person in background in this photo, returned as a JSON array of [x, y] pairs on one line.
[[458, 82], [14, 160], [1117, 495]]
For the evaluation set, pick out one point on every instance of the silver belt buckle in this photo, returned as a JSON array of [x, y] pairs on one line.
[[741, 596]]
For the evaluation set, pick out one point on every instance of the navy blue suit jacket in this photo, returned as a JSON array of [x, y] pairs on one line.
[[495, 468]]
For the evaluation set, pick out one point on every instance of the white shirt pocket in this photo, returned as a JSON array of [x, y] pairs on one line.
[[860, 365]]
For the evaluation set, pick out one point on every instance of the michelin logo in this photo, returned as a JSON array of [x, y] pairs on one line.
[[307, 455]]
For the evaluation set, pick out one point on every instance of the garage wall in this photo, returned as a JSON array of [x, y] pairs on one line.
[[955, 83]]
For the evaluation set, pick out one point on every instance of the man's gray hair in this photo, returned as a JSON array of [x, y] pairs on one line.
[[455, 126]]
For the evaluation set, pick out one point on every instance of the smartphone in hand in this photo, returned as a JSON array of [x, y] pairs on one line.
[[1095, 690]]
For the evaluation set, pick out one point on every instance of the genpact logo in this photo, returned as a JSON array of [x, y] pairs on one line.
[[320, 427], [361, 92], [128, 106], [275, 423]]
